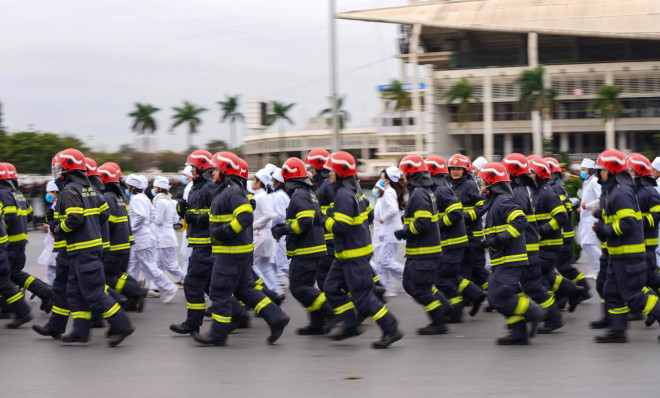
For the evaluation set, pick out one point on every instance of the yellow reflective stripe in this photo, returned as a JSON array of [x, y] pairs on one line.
[[329, 236], [548, 303], [455, 300], [514, 214], [578, 278], [29, 281], [61, 311], [341, 309], [454, 241], [551, 242], [416, 251], [531, 218], [473, 214], [91, 211], [317, 304], [423, 214], [522, 306], [357, 220], [329, 223], [15, 298], [9, 209], [553, 224], [64, 227], [433, 305], [74, 210], [513, 231], [411, 226], [533, 247], [454, 207], [508, 259], [236, 226], [305, 250], [628, 213], [220, 217], [651, 301], [113, 310], [619, 311], [514, 319], [242, 209], [543, 216], [240, 249], [447, 221], [557, 283], [17, 238], [60, 244], [305, 213], [199, 211], [569, 234], [649, 219], [81, 315], [196, 306], [557, 210], [478, 234], [117, 220], [4, 239], [626, 249], [106, 245], [353, 253], [262, 304], [376, 278], [120, 283], [651, 242], [199, 241], [84, 245], [221, 318], [479, 203], [461, 286], [122, 246], [381, 313], [617, 228], [295, 226]]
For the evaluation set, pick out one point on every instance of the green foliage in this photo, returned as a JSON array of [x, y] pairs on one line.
[[143, 120], [280, 113], [607, 104], [398, 97], [215, 146], [342, 114], [534, 96], [188, 113], [230, 112], [170, 162], [463, 92], [32, 152]]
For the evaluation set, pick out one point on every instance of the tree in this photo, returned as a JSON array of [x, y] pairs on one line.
[[399, 99], [230, 112], [280, 110], [536, 99], [143, 121], [608, 106], [342, 114], [215, 146], [2, 127], [31, 152], [189, 114], [463, 93]]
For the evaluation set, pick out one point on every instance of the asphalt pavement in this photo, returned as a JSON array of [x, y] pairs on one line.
[[154, 362]]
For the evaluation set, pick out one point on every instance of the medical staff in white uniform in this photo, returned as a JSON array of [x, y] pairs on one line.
[[263, 239], [163, 229], [279, 201], [586, 236], [184, 250]]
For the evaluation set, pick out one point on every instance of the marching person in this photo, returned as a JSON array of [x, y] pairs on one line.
[[422, 235], [48, 256], [591, 191], [505, 224], [348, 221], [279, 202], [231, 219], [263, 240], [163, 229], [184, 249], [82, 214], [392, 204], [305, 245]]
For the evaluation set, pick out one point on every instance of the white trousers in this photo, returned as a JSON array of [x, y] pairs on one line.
[[145, 262], [593, 257], [387, 266], [167, 261], [185, 252], [280, 260], [266, 272]]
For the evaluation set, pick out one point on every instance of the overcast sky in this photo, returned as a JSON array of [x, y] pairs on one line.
[[78, 66]]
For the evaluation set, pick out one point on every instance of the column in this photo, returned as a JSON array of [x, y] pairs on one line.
[[508, 144], [416, 101], [488, 117], [563, 142], [533, 49]]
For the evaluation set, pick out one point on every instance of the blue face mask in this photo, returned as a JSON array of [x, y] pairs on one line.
[[153, 192], [127, 192], [584, 175], [271, 184], [375, 192], [50, 197], [184, 180]]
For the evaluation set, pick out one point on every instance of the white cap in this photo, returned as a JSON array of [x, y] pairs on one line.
[[380, 184], [588, 163], [277, 174], [264, 176], [187, 171], [143, 181], [52, 187], [393, 173], [479, 162], [270, 168], [134, 181], [161, 182], [656, 163]]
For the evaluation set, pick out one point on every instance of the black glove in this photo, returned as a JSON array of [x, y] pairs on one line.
[[545, 230], [223, 233], [50, 215], [400, 234], [477, 244], [494, 242], [278, 231], [181, 208], [191, 218], [599, 229], [57, 229]]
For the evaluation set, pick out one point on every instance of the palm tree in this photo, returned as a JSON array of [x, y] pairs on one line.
[[188, 113], [342, 114], [230, 112], [463, 92], [536, 99], [609, 107], [143, 121], [399, 99], [280, 110]]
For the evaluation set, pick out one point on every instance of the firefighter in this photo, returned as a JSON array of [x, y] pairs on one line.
[[82, 214], [231, 234], [531, 279], [17, 212], [305, 245], [624, 230], [505, 225], [422, 236], [347, 220]]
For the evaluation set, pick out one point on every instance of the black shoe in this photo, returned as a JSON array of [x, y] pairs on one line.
[[46, 303], [612, 336], [311, 330], [635, 317], [561, 303], [183, 328], [97, 324], [433, 329], [46, 331], [511, 340], [600, 324], [5, 315], [73, 338], [277, 328], [489, 308], [140, 301], [18, 322], [477, 304], [346, 333], [455, 317], [387, 339], [116, 339], [278, 299], [241, 321], [581, 295], [205, 340], [548, 328], [331, 322], [650, 320], [379, 291]]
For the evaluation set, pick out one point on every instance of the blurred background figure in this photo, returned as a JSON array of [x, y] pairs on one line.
[[184, 249], [163, 229], [391, 211], [591, 191], [279, 201], [263, 240], [47, 256]]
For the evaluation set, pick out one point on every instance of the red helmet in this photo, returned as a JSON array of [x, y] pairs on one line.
[[492, 173], [612, 160], [343, 163], [412, 164], [639, 163], [228, 163], [244, 168], [91, 167], [539, 166], [70, 159], [293, 168], [553, 164], [461, 161], [201, 159], [108, 173], [116, 166], [11, 170], [4, 173], [516, 164], [436, 165], [316, 158]]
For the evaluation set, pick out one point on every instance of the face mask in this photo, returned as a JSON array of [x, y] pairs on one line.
[[50, 197], [271, 184], [584, 175], [374, 192], [153, 192], [127, 192], [184, 180]]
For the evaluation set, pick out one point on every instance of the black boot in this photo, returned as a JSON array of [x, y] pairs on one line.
[[549, 327], [455, 314], [379, 291], [517, 335], [316, 326], [140, 300], [347, 333], [183, 328], [74, 338], [115, 339], [46, 331], [612, 336], [650, 320], [18, 322], [277, 328], [476, 304], [602, 323], [240, 321], [433, 328], [635, 316], [97, 324], [387, 339], [579, 296], [206, 340]]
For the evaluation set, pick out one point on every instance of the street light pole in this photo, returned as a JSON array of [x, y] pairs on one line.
[[336, 144]]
